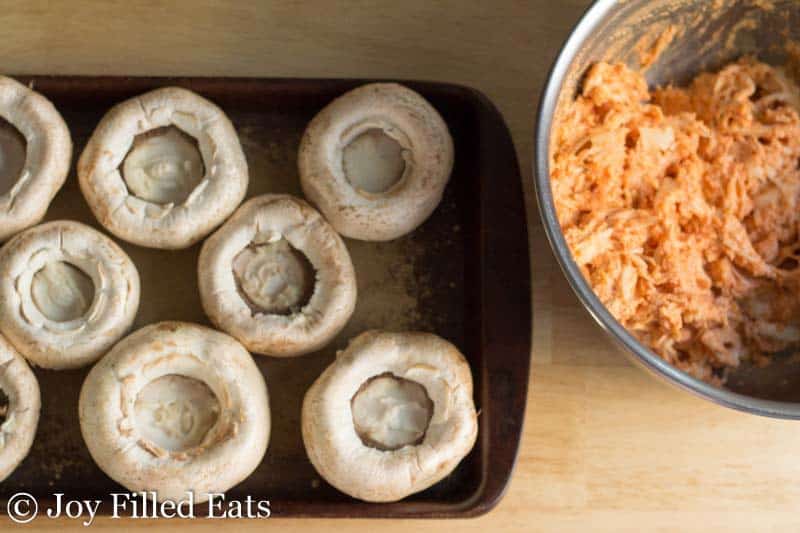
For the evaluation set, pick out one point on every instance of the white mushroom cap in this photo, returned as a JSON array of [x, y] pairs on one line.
[[137, 219], [19, 384], [268, 219], [120, 439], [47, 309], [425, 146], [48, 150], [329, 432]]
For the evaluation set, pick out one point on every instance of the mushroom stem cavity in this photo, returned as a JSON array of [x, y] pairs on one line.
[[390, 412], [176, 412], [5, 406], [274, 277], [13, 150], [373, 162], [61, 291], [163, 166]]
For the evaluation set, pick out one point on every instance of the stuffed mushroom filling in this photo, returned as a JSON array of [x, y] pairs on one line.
[[390, 412], [273, 277], [61, 291], [163, 166], [176, 412], [374, 162], [13, 150]]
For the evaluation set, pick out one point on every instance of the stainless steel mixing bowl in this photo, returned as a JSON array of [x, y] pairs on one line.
[[710, 34]]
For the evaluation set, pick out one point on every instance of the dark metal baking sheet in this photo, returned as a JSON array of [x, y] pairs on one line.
[[464, 275]]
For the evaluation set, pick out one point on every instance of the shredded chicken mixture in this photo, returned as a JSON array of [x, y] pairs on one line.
[[680, 206]]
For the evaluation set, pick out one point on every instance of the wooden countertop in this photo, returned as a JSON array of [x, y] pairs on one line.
[[606, 446]]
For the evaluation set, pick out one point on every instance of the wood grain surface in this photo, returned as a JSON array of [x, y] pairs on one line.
[[606, 447]]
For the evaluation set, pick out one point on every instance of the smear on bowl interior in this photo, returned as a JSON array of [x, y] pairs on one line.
[[680, 205]]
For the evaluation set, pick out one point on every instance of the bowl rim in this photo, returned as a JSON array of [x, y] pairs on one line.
[[636, 351]]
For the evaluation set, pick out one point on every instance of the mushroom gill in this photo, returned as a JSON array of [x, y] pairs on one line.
[[390, 412], [163, 166], [373, 162]]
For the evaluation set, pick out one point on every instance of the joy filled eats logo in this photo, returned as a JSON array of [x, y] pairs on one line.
[[23, 507]]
